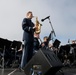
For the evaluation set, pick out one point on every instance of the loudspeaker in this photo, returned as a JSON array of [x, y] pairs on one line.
[[44, 62]]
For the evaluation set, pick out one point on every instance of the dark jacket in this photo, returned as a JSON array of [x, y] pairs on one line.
[[27, 26], [36, 44]]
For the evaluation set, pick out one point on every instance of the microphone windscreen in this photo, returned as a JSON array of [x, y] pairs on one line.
[[42, 20]]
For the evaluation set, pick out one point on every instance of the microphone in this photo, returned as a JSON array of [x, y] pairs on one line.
[[45, 18]]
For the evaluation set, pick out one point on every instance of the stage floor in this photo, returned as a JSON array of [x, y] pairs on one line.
[[11, 71], [62, 71]]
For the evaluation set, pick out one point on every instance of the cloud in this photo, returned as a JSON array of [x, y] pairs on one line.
[[62, 16]]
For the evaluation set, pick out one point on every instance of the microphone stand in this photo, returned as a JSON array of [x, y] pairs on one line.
[[52, 32]]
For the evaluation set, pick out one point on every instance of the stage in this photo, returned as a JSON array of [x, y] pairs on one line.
[[15, 71], [11, 71]]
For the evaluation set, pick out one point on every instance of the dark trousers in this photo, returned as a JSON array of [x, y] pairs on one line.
[[27, 53]]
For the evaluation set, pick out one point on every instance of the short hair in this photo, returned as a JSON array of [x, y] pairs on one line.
[[45, 37], [28, 12]]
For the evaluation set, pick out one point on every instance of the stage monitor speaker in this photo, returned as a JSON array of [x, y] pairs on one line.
[[45, 62]]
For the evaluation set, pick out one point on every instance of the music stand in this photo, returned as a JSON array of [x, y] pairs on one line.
[[56, 45], [4, 44]]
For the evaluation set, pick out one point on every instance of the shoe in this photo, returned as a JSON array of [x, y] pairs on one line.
[[21, 70]]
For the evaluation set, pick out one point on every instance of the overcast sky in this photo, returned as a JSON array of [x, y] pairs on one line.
[[62, 16]]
